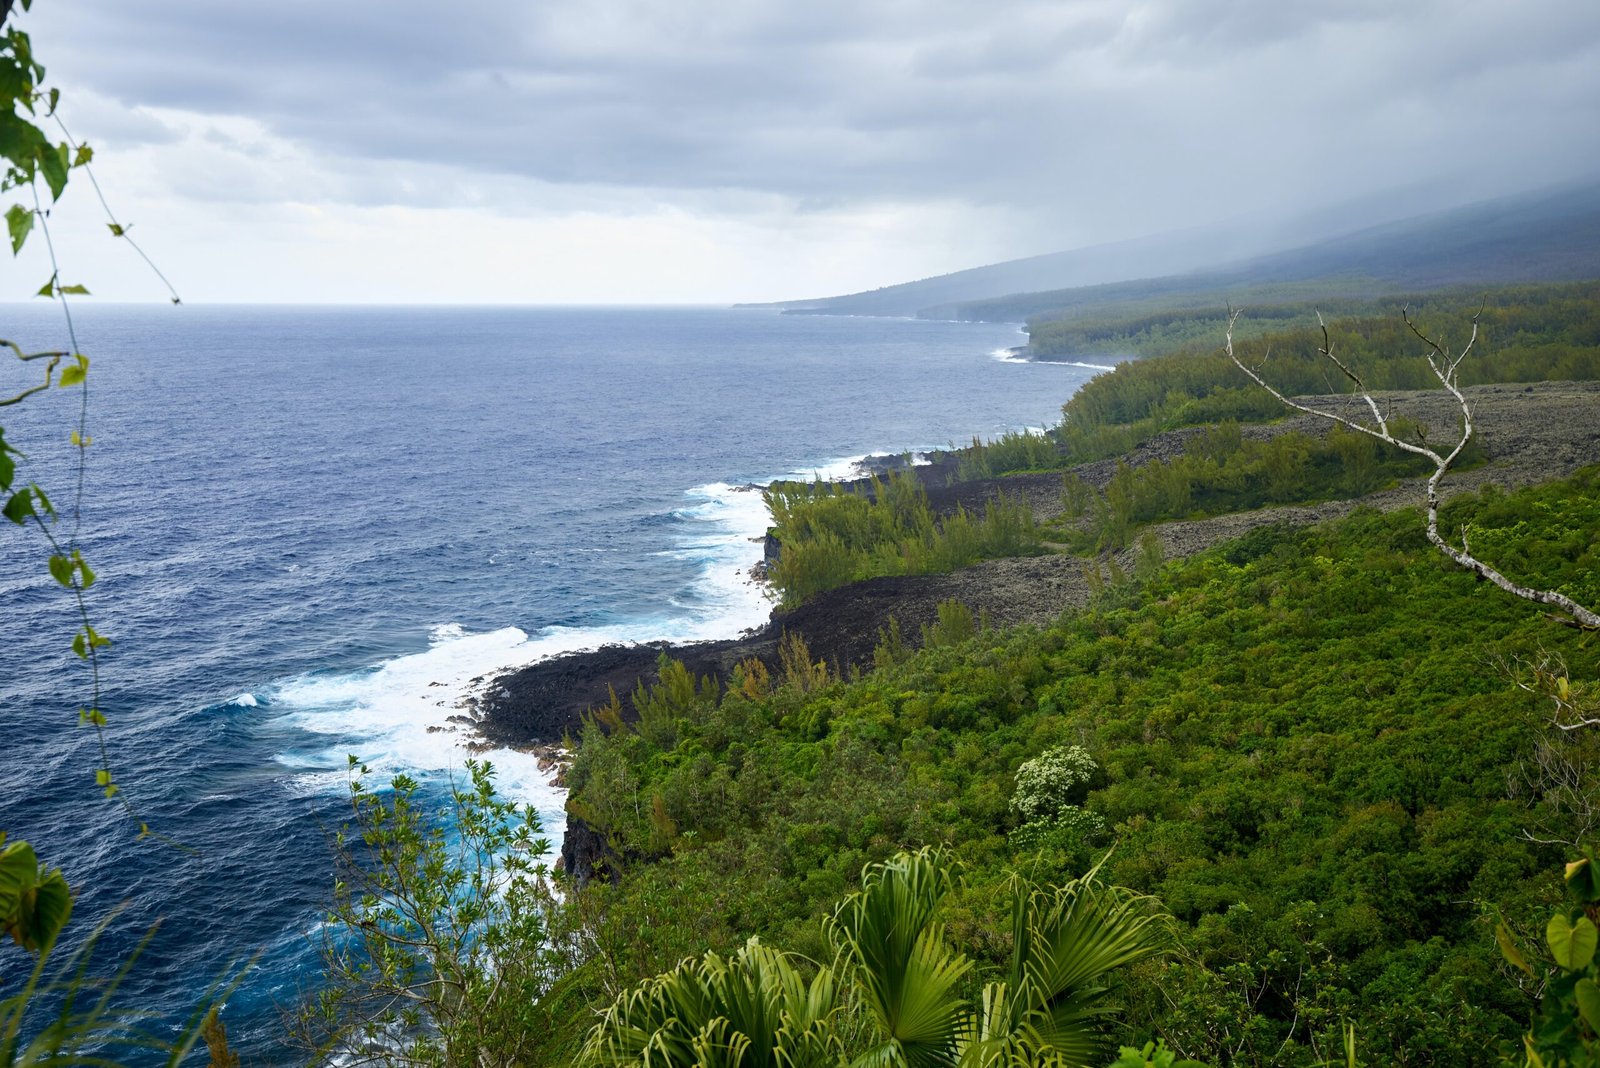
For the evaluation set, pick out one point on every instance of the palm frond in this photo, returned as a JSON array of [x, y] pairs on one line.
[[750, 1010], [908, 978]]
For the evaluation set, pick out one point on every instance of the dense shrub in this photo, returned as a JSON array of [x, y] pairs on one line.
[[1304, 745]]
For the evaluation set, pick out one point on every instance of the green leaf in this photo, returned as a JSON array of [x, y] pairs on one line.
[[19, 869], [83, 156], [80, 646], [53, 165], [76, 290], [52, 905], [19, 221], [61, 569], [34, 902], [87, 575], [48, 289], [1509, 950], [1588, 995], [1572, 944], [116, 230], [1583, 881], [20, 506], [76, 373]]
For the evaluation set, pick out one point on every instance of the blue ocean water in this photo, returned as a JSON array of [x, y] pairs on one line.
[[316, 527]]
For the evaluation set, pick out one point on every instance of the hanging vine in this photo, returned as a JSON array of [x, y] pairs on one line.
[[31, 160]]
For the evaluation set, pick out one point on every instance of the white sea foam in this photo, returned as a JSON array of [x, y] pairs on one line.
[[397, 716], [832, 471], [852, 467], [414, 712], [244, 700], [1014, 356]]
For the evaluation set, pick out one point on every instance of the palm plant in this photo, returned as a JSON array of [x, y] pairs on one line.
[[1066, 943], [895, 971], [904, 974], [750, 1010]]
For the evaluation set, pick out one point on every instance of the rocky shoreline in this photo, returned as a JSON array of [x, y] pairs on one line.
[[1531, 433]]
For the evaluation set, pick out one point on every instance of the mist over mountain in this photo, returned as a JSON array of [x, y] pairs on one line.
[[1361, 248]]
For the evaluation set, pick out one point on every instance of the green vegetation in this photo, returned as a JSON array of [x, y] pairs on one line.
[[1300, 743], [832, 535], [1015, 450], [1516, 315], [1529, 334], [895, 993], [1566, 1030], [1307, 744], [437, 950], [1221, 471], [1161, 328]]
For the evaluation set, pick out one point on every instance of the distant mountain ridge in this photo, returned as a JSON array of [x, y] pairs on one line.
[[1548, 235]]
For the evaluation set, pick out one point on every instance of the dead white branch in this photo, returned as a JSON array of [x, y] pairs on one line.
[[1577, 707], [1446, 368]]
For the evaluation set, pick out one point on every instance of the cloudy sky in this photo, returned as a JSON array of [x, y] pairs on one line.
[[717, 150]]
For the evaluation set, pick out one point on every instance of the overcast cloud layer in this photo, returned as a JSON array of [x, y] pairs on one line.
[[694, 150]]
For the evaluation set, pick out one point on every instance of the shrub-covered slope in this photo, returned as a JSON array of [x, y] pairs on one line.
[[1308, 741]]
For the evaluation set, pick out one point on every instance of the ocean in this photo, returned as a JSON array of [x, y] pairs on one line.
[[315, 527]]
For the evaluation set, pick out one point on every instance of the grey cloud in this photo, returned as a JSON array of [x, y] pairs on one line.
[[1071, 110]]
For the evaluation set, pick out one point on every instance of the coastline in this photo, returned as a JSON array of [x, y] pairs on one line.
[[540, 707], [544, 702]]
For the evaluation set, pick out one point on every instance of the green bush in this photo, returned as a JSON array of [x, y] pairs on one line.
[[831, 535]]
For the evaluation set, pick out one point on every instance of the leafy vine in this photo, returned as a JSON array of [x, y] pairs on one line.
[[31, 158]]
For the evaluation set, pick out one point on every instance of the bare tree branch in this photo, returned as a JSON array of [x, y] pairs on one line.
[[1445, 368]]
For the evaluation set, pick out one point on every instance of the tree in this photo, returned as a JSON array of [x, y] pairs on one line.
[[1446, 367], [435, 951], [1049, 791]]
